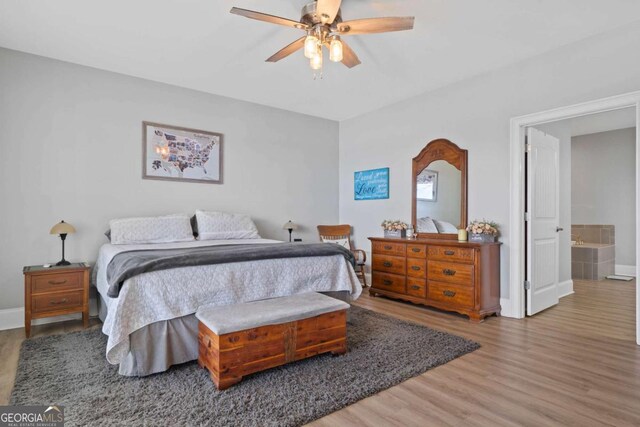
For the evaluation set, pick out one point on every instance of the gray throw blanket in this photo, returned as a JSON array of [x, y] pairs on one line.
[[132, 263]]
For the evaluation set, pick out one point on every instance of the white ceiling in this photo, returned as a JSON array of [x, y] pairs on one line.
[[198, 44], [603, 122]]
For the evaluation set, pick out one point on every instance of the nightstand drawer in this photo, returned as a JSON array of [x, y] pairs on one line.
[[56, 282], [57, 301]]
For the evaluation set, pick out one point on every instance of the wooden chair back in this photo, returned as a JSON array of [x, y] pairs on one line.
[[335, 232]]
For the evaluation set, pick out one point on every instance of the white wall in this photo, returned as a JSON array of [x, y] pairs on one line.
[[604, 186], [71, 149], [562, 131], [475, 115]]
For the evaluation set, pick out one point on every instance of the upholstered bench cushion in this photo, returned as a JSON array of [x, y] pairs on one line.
[[238, 317]]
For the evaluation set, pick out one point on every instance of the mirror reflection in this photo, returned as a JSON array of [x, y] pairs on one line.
[[438, 194]]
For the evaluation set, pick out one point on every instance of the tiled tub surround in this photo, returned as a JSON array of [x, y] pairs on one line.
[[592, 261], [595, 259], [594, 233]]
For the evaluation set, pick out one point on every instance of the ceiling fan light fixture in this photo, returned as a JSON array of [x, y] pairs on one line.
[[335, 49], [310, 46]]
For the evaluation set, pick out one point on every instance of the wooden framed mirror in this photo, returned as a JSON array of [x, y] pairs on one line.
[[439, 193]]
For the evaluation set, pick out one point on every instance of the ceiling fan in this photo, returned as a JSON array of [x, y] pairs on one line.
[[322, 21]]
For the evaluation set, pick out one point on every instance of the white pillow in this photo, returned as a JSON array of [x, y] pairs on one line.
[[220, 226], [157, 229], [426, 225], [342, 242], [445, 227]]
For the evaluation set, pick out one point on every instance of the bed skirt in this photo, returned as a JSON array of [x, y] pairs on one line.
[[156, 347]]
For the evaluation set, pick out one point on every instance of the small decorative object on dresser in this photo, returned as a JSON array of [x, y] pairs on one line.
[[395, 228], [483, 231], [53, 291]]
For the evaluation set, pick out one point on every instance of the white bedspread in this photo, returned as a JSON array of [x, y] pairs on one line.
[[167, 294]]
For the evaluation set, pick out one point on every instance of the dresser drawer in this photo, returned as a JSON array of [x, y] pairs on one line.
[[450, 293], [417, 267], [57, 282], [450, 272], [416, 251], [416, 287], [57, 301], [445, 253], [389, 282], [389, 264], [389, 248]]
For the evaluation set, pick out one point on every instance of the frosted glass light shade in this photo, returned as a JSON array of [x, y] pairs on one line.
[[316, 61], [335, 50], [62, 228], [310, 46]]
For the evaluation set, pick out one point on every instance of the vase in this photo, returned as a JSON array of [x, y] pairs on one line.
[[396, 234], [483, 238]]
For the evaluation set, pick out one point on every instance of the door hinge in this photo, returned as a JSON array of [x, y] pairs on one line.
[[527, 284], [526, 216], [527, 147]]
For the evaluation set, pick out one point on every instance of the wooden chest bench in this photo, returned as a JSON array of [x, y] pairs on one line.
[[241, 339]]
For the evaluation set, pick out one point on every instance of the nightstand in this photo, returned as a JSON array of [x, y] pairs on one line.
[[55, 291]]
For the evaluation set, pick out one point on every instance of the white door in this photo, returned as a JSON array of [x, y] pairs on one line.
[[542, 220]]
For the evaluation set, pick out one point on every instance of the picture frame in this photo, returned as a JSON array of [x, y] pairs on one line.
[[371, 184], [427, 186], [174, 153]]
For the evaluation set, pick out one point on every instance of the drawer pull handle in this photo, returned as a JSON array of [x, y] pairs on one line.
[[62, 301], [57, 282], [449, 252], [388, 247], [415, 287], [448, 272], [449, 293], [387, 264], [387, 282], [415, 249], [415, 267]]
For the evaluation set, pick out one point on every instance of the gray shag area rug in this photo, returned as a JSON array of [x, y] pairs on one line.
[[71, 370]]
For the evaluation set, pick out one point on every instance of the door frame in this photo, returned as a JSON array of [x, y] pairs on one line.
[[516, 215]]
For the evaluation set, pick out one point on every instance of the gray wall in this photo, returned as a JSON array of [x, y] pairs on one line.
[[475, 114], [604, 186], [562, 131], [71, 149]]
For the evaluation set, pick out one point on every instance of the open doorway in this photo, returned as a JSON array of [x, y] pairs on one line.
[[580, 195], [515, 304]]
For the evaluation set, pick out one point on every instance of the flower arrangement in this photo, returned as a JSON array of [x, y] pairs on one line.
[[396, 225], [484, 231]]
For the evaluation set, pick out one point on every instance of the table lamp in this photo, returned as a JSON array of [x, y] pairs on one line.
[[62, 228], [290, 226]]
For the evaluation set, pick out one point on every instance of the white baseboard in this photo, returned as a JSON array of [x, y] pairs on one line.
[[626, 270], [565, 288], [13, 318]]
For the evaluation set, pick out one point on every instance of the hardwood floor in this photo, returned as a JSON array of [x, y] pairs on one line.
[[574, 364]]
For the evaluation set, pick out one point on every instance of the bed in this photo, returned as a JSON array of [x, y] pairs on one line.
[[151, 325]]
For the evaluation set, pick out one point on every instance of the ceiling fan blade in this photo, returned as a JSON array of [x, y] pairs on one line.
[[288, 50], [375, 25], [349, 57], [268, 18], [327, 10]]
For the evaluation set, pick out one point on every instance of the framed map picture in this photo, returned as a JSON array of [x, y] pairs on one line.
[[181, 154], [371, 184]]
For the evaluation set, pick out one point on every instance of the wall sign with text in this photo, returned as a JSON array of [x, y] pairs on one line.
[[371, 184]]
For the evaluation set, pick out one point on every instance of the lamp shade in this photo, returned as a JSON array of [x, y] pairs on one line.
[[290, 226], [62, 228]]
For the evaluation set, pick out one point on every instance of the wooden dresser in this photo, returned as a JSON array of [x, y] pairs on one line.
[[446, 274]]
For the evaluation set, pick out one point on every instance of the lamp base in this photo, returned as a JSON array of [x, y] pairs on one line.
[[63, 262]]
